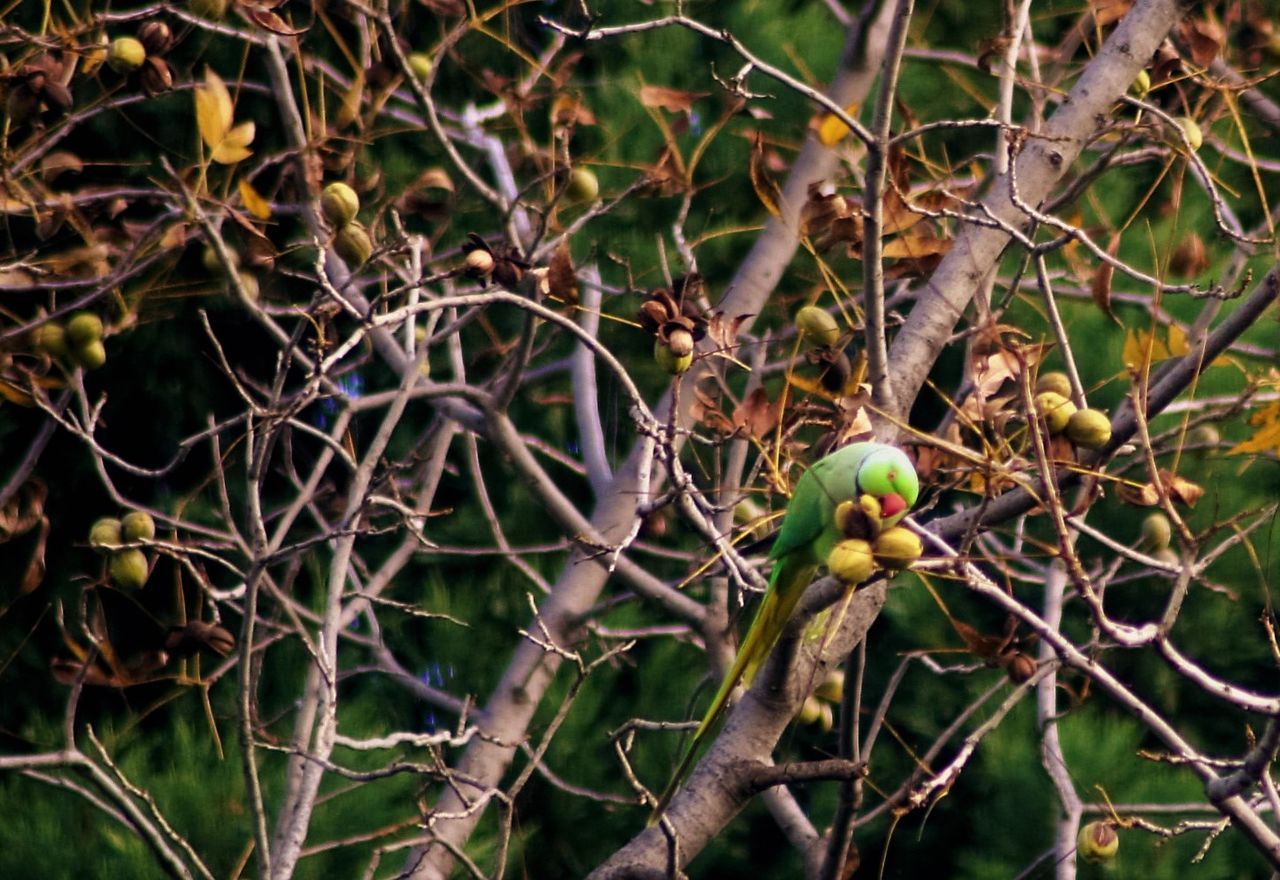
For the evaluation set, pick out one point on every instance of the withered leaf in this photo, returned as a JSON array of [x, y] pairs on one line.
[[1179, 489], [674, 100], [757, 415], [1102, 277]]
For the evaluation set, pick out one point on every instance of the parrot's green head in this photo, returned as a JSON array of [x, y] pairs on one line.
[[888, 475]]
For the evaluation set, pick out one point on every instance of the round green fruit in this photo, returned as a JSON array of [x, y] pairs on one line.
[[128, 569], [851, 561], [583, 185], [1142, 84], [1098, 842], [1055, 409], [898, 547], [83, 328], [91, 355], [817, 326], [420, 64], [50, 338], [1191, 129], [126, 54], [671, 362], [1204, 435], [1157, 531], [340, 204], [1089, 429], [353, 244], [105, 533], [832, 687], [1055, 381], [138, 525]]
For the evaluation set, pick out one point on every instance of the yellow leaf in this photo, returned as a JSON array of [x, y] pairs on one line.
[[831, 130], [213, 109], [1267, 437], [1177, 341], [253, 200], [1135, 347], [214, 113]]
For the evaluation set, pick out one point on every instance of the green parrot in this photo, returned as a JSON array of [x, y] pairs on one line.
[[804, 542]]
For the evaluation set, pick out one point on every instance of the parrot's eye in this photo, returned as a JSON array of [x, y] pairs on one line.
[[893, 476]]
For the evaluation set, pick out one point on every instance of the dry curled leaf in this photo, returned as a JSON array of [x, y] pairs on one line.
[[1179, 489], [674, 100]]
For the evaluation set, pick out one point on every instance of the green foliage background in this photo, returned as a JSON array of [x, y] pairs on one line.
[[162, 384]]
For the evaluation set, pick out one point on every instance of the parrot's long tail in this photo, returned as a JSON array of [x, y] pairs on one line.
[[786, 586]]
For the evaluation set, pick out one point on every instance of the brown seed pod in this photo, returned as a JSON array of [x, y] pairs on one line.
[[155, 37]]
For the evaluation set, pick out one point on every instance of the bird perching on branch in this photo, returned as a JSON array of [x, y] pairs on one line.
[[810, 530]]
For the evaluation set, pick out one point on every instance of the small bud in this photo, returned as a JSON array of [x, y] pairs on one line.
[[817, 326], [1157, 531], [669, 361], [898, 547], [1055, 409], [83, 328], [1098, 842], [50, 338], [105, 533], [851, 561], [1089, 429], [128, 569], [339, 204], [353, 244], [138, 525], [155, 37], [583, 185], [126, 55], [420, 64]]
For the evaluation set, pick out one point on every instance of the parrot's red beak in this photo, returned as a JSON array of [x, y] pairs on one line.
[[892, 505]]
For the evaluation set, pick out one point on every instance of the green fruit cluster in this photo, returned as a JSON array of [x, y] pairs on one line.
[[1086, 428], [80, 339], [340, 205], [868, 546], [126, 566]]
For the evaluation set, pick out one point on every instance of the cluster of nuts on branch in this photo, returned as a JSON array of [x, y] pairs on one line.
[[502, 264], [868, 545], [816, 709], [1086, 428], [80, 339], [818, 329], [127, 566], [144, 55], [340, 205], [676, 323]]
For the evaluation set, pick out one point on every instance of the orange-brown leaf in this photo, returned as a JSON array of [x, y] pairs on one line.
[[1102, 278], [674, 100]]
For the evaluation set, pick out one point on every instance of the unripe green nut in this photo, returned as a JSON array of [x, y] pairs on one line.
[[583, 185], [1167, 555], [420, 64], [670, 361], [128, 569], [50, 338], [1192, 130], [1204, 435], [340, 204], [83, 328], [353, 244], [898, 547], [105, 533], [1142, 84], [817, 326], [91, 355], [832, 687], [1089, 429], [1098, 842], [1055, 381], [1157, 531], [851, 561], [1055, 409], [126, 54], [138, 525]]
